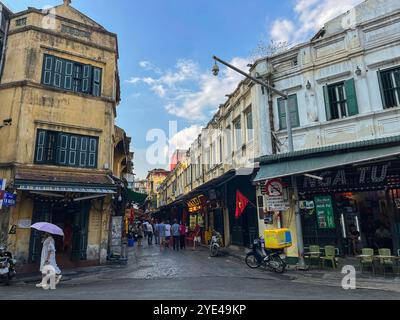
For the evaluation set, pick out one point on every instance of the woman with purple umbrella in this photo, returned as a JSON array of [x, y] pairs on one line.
[[48, 256]]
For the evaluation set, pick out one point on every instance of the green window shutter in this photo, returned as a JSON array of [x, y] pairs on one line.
[[92, 153], [379, 74], [69, 69], [48, 65], [96, 82], [41, 147], [351, 95], [87, 79], [58, 69], [282, 114], [73, 149], [327, 103], [83, 152], [63, 149], [294, 111]]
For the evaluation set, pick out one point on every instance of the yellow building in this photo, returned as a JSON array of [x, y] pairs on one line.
[[58, 95], [154, 180]]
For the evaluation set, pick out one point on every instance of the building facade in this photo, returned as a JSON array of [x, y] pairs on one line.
[[343, 91], [59, 90]]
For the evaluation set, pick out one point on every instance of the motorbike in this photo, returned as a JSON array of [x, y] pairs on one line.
[[215, 245], [7, 266], [271, 259]]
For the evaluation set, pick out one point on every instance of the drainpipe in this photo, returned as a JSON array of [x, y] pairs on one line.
[[3, 52]]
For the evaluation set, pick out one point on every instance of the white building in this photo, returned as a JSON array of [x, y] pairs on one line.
[[343, 87]]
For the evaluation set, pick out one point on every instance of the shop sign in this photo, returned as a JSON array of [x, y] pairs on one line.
[[363, 176], [3, 183], [116, 231], [306, 205], [397, 201], [192, 221], [24, 223], [324, 210], [9, 200], [196, 204], [277, 203]]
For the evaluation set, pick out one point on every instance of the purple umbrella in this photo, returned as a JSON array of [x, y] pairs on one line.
[[48, 227]]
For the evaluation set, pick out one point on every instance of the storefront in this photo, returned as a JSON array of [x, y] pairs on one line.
[[197, 210], [81, 205], [348, 194], [353, 201]]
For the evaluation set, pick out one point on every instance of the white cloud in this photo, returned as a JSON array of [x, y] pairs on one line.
[[181, 140], [310, 16], [190, 93]]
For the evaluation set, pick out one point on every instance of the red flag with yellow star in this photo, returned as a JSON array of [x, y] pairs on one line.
[[241, 204]]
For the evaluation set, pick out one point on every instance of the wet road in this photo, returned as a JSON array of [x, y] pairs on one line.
[[186, 275]]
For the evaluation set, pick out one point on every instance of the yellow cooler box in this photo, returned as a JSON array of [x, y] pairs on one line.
[[278, 239]]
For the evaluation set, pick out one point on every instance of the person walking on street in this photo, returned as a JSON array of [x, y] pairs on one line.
[[197, 236], [161, 232], [176, 234], [140, 234], [149, 234], [182, 236], [157, 232], [48, 257], [167, 234]]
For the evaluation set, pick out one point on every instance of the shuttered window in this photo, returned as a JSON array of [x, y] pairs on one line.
[[293, 111], [65, 149], [389, 82], [340, 100], [71, 76]]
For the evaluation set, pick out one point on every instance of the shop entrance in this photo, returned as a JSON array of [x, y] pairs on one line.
[[73, 218], [368, 220]]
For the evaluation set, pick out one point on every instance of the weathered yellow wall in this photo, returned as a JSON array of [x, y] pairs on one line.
[[19, 243], [32, 106]]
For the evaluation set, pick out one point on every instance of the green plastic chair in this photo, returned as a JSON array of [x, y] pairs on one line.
[[330, 255], [386, 262], [314, 254], [367, 261]]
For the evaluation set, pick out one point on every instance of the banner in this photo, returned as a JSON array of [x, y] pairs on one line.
[[325, 214]]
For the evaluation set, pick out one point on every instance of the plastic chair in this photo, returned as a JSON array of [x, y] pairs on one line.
[[386, 262], [330, 255], [314, 254], [368, 259]]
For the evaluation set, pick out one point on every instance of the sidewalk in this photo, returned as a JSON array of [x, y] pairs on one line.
[[331, 277]]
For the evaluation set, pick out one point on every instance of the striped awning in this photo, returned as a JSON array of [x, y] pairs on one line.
[[60, 188]]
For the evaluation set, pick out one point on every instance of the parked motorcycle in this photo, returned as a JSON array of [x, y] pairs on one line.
[[7, 266], [215, 244], [271, 259]]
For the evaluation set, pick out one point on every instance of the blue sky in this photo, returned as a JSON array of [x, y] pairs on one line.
[[166, 48]]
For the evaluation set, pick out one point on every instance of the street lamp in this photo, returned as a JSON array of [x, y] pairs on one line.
[[284, 95]]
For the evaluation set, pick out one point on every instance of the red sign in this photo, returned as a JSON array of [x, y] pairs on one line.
[[273, 188], [2, 194]]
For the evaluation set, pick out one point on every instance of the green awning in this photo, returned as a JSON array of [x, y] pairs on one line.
[[138, 198], [287, 167]]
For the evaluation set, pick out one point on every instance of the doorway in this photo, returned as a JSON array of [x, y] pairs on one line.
[[73, 218]]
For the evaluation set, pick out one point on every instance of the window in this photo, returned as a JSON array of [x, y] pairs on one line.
[[249, 126], [293, 111], [71, 76], [220, 150], [228, 141], [21, 22], [389, 82], [237, 132], [340, 100], [65, 149]]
